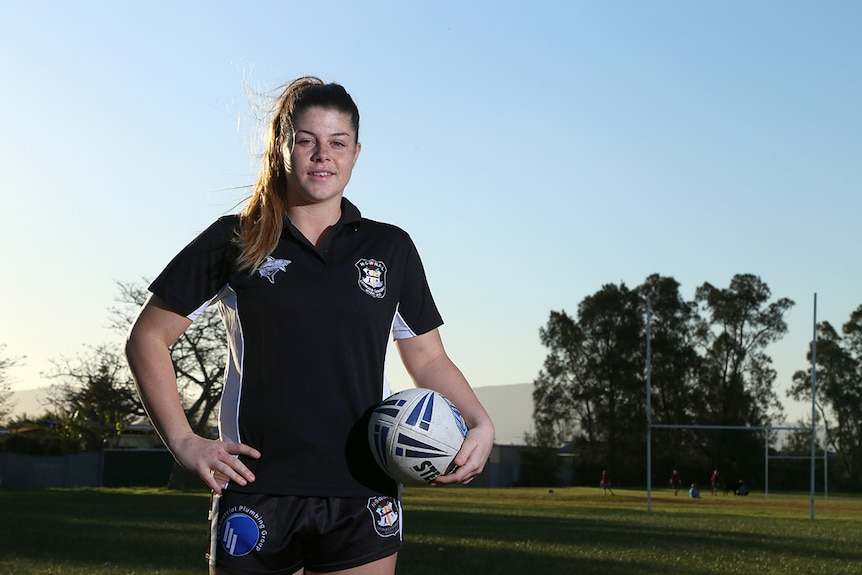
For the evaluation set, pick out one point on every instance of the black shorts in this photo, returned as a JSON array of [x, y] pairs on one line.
[[276, 534]]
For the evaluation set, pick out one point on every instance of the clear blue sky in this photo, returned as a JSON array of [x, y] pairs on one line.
[[534, 150]]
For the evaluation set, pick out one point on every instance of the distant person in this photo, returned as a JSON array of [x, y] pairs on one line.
[[675, 481], [714, 481], [694, 492], [605, 482], [741, 489]]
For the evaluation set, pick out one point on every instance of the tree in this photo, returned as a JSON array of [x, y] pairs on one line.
[[6, 402], [675, 366], [559, 410], [708, 366], [613, 323], [199, 357], [839, 392], [40, 435], [742, 322], [590, 391], [738, 376], [95, 399]]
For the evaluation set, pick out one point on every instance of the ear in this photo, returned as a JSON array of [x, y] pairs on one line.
[[356, 155]]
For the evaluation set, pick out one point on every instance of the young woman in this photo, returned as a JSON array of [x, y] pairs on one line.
[[310, 292]]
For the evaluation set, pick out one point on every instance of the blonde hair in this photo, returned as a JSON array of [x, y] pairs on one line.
[[262, 219]]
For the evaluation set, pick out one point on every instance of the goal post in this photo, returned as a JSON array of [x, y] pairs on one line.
[[768, 428]]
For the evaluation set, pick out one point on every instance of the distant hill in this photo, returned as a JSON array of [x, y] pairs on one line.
[[31, 402], [510, 406]]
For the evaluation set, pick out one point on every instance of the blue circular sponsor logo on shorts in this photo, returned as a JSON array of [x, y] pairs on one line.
[[239, 534]]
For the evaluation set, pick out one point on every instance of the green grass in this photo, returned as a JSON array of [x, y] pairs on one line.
[[580, 531], [460, 530]]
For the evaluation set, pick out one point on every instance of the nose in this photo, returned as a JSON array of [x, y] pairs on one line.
[[320, 153]]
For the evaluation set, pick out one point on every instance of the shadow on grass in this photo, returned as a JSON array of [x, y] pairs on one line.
[[136, 532], [83, 531], [609, 544]]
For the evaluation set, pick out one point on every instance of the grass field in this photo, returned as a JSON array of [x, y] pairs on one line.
[[460, 530]]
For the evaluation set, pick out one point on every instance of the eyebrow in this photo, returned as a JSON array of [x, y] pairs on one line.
[[335, 134]]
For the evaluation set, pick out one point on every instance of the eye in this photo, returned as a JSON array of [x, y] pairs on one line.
[[338, 144]]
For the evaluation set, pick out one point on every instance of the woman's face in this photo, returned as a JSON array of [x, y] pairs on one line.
[[321, 160]]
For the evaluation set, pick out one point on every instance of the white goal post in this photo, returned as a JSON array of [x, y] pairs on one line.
[[650, 425]]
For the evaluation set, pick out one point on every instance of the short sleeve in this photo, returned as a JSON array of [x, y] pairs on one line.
[[199, 272], [417, 313]]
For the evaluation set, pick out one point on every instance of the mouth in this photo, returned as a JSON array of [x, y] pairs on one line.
[[320, 174]]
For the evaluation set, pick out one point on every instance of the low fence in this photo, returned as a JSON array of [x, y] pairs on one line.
[[507, 466], [109, 468]]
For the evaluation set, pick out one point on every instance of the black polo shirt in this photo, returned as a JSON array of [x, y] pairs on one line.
[[307, 335]]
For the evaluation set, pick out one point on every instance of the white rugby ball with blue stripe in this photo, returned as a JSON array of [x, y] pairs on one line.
[[415, 434]]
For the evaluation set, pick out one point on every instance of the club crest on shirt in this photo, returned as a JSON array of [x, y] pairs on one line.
[[385, 514], [372, 277], [271, 266]]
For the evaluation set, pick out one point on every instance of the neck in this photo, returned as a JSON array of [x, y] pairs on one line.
[[314, 220]]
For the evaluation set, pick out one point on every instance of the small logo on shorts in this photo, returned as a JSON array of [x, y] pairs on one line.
[[386, 514], [242, 531]]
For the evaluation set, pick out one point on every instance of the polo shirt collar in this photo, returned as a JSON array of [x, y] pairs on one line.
[[350, 215]]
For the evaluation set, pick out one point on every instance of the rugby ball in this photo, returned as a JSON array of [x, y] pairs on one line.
[[415, 434]]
